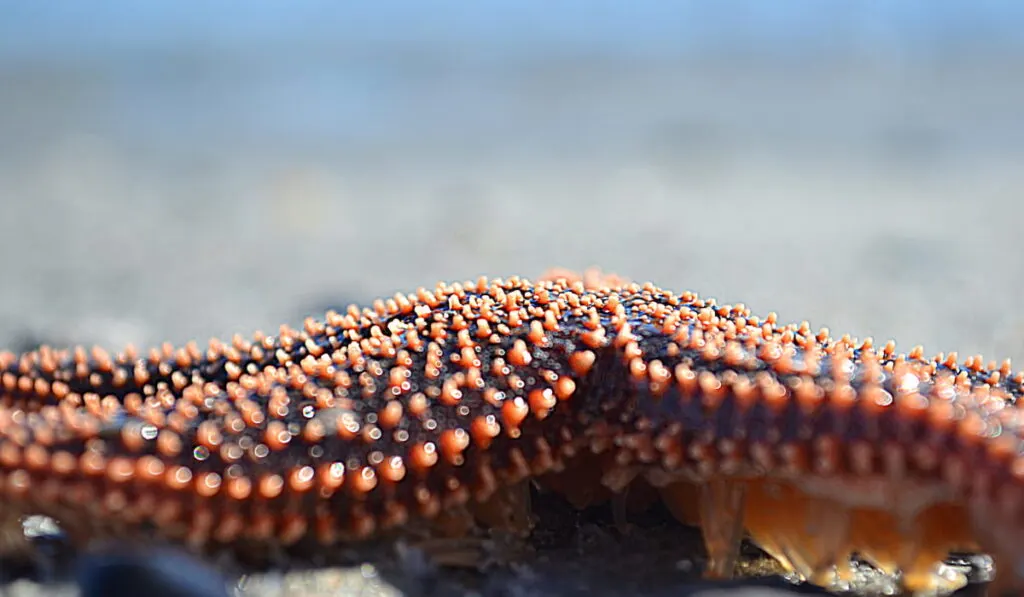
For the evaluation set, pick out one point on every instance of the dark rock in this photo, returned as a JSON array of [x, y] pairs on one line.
[[162, 573]]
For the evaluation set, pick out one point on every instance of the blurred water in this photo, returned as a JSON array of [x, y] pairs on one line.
[[182, 169], [464, 75]]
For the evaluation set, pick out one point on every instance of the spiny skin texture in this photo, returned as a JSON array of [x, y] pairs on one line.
[[371, 421]]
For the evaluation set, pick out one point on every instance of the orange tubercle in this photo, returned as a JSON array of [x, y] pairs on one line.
[[453, 397]]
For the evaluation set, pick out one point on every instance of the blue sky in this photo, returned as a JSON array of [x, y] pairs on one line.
[[506, 26]]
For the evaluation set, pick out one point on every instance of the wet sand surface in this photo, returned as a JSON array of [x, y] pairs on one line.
[[876, 198]]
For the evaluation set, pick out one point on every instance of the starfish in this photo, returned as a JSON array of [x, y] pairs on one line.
[[434, 409]]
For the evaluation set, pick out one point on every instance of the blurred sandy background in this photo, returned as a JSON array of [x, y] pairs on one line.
[[181, 170]]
